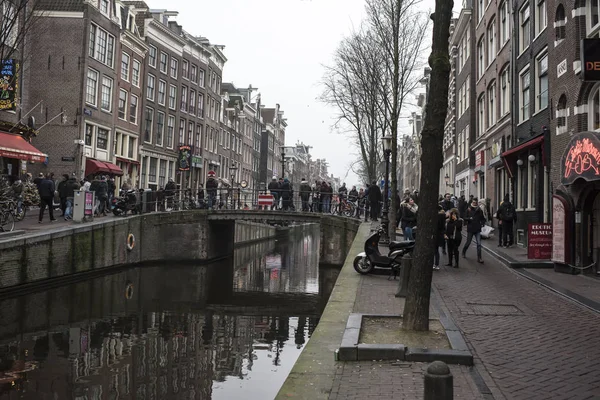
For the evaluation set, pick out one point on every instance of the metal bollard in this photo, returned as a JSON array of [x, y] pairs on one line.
[[404, 277], [438, 382]]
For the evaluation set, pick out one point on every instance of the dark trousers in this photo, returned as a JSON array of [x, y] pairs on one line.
[[500, 233], [507, 233], [453, 246], [374, 211], [46, 201]]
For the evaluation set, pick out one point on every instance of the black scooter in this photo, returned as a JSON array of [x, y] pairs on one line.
[[126, 202], [371, 258]]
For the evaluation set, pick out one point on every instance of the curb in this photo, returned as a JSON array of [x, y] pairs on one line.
[[512, 263], [352, 350]]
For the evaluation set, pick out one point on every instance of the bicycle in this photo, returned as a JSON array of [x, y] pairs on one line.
[[7, 216]]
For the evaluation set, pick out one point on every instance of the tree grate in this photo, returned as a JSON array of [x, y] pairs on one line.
[[494, 309]]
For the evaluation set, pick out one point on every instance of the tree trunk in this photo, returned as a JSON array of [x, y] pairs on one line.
[[416, 309]]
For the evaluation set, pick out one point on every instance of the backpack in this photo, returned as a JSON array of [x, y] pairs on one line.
[[509, 213]]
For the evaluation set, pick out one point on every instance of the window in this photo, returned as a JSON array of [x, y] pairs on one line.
[[491, 106], [181, 131], [594, 14], [480, 57], [200, 105], [102, 139], [170, 131], [174, 67], [162, 92], [524, 30], [192, 102], [152, 56], [102, 45], [531, 184], [185, 66], [524, 98], [125, 67], [123, 104], [172, 96], [190, 138], [106, 94], [594, 107], [561, 115], [201, 77], [194, 75], [160, 128], [542, 82], [480, 115], [491, 34], [105, 7], [135, 73], [89, 134], [504, 92], [560, 23], [164, 62], [480, 9], [131, 150], [151, 86], [149, 122], [91, 87], [541, 17], [184, 94], [504, 15], [152, 170], [133, 103], [198, 145], [162, 173]]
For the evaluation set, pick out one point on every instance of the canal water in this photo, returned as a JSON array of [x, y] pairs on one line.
[[229, 330]]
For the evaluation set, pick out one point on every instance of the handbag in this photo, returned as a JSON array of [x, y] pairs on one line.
[[486, 231]]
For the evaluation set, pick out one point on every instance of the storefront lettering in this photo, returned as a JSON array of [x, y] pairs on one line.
[[583, 156], [539, 241]]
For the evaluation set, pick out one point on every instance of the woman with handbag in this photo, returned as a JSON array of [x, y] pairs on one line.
[[453, 236]]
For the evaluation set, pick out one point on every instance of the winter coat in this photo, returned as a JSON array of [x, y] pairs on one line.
[[409, 216], [454, 229], [46, 188], [304, 190], [374, 194], [441, 228], [503, 212], [285, 190], [70, 187], [475, 219], [447, 205], [62, 189]]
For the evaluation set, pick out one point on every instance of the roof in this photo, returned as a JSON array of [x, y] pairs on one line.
[[268, 115], [60, 5]]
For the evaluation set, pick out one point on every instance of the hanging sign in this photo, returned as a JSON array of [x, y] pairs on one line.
[[184, 159], [581, 158], [9, 82]]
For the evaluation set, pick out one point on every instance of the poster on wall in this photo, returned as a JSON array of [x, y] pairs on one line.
[[185, 157], [539, 241], [88, 209], [559, 228], [9, 82]]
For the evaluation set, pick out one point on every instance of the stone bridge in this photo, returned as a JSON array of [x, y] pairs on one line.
[[187, 236]]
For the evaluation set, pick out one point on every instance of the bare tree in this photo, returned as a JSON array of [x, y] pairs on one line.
[[400, 30], [416, 309]]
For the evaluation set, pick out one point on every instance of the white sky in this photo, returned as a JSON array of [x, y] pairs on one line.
[[279, 46]]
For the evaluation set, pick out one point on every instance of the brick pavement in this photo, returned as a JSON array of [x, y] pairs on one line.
[[584, 285]]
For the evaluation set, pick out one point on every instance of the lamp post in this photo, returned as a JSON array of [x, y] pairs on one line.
[[282, 162], [385, 222], [232, 171]]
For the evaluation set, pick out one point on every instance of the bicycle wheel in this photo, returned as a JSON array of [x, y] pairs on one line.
[[20, 216], [7, 221]]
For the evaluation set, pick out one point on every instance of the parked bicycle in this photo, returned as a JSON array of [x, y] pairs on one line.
[[8, 210]]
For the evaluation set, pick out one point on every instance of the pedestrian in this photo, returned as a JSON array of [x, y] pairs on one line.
[[274, 190], [374, 200], [462, 206], [170, 189], [211, 189], [453, 236], [70, 187], [39, 179], [46, 189], [305, 192], [409, 218], [439, 237], [475, 219], [62, 193], [286, 194], [507, 216]]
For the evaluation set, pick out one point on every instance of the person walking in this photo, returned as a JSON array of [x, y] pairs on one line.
[[274, 190], [286, 194], [305, 192], [46, 189], [62, 193], [439, 237], [475, 219], [507, 216], [409, 218], [453, 236], [70, 187], [374, 200]]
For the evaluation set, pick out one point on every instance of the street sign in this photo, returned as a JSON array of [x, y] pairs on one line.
[[265, 199], [539, 241]]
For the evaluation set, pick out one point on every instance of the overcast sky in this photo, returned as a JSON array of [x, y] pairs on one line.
[[279, 47]]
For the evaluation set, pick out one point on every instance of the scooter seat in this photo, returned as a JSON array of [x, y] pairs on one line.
[[401, 245]]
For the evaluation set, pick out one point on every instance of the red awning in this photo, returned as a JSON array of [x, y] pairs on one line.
[[128, 161], [93, 167], [15, 146], [509, 155]]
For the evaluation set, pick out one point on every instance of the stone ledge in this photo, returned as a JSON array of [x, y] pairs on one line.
[[352, 350]]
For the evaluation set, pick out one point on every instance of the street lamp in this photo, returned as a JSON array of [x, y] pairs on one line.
[[232, 172], [282, 162], [387, 151], [447, 179]]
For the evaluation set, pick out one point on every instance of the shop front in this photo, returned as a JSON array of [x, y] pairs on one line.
[[95, 167], [576, 204], [527, 166], [16, 152]]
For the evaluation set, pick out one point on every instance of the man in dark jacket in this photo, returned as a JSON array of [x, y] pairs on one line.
[[286, 194], [62, 193], [507, 215], [305, 191], [211, 189], [462, 206], [374, 200], [447, 203], [46, 189], [274, 190], [70, 187], [475, 219]]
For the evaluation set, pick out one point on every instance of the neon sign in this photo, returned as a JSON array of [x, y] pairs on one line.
[[581, 158]]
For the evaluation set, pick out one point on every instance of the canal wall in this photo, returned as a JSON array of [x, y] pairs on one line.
[[247, 232]]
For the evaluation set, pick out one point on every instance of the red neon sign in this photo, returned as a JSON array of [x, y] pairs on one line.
[[582, 159]]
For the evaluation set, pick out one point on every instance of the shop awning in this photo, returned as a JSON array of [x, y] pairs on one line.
[[510, 155], [15, 146], [94, 167], [128, 161]]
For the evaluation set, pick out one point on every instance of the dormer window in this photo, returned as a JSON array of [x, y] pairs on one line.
[[105, 7]]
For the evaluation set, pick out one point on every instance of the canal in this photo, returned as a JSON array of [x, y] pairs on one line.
[[228, 330]]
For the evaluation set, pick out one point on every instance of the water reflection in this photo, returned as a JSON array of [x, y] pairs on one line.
[[229, 330]]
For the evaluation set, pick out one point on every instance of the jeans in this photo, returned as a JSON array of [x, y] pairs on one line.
[[69, 207], [46, 202], [327, 205], [408, 234], [305, 204], [211, 199], [453, 245], [477, 237]]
